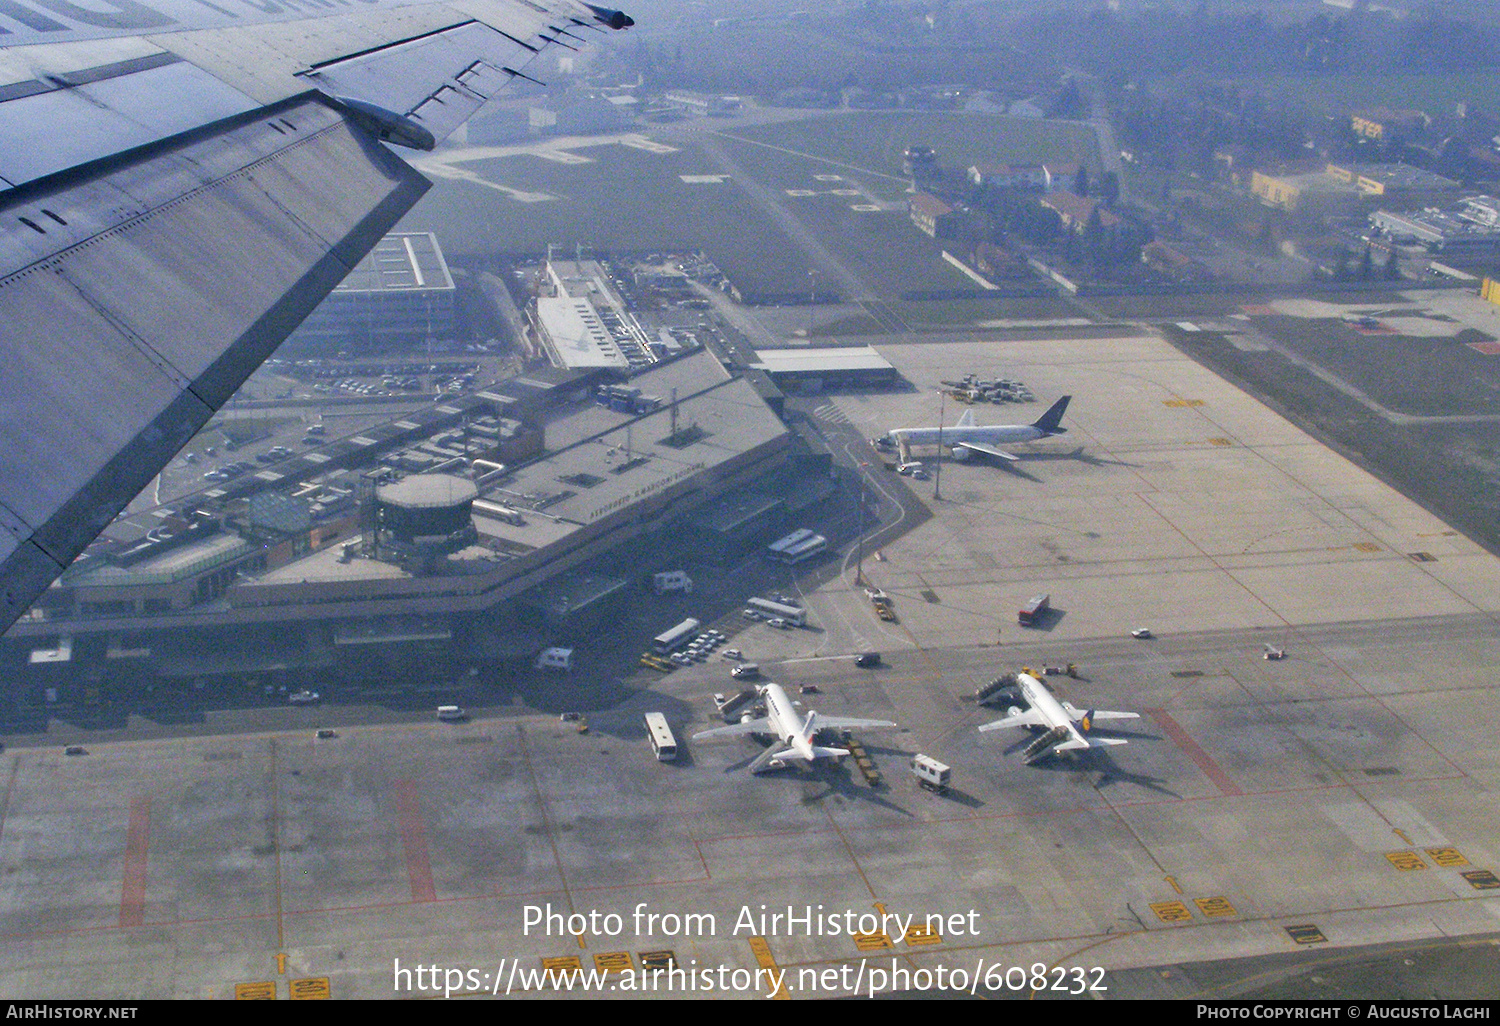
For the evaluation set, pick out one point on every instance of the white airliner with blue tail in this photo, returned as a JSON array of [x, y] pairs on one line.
[[1065, 727], [967, 437]]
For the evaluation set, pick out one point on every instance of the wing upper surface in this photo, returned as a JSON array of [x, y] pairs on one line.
[[181, 182], [988, 450]]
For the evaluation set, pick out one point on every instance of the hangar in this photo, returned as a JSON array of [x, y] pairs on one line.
[[804, 369]]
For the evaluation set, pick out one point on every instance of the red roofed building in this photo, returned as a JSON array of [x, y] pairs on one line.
[[1075, 211]]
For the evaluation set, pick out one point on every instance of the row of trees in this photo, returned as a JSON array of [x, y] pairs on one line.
[[1106, 250]]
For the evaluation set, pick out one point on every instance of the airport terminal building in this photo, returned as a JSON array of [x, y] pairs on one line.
[[402, 291], [341, 565]]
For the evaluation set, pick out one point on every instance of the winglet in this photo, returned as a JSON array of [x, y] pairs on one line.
[[967, 420]]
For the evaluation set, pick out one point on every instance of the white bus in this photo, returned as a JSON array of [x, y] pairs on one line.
[[776, 548], [804, 549], [663, 743], [791, 614], [672, 640]]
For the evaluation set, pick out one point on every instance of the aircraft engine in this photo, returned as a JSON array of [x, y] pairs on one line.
[[1014, 710], [961, 454], [614, 19]]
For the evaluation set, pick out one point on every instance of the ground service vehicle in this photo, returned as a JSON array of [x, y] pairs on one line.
[[930, 773], [663, 742], [1033, 611], [780, 610], [675, 638]]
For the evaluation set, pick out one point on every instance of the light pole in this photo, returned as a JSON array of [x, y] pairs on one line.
[[859, 563], [812, 298], [937, 473]]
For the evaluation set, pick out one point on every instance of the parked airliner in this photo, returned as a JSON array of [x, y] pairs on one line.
[[1058, 719], [967, 437], [794, 732]]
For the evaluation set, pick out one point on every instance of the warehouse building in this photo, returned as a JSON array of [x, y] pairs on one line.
[[811, 370], [401, 292]]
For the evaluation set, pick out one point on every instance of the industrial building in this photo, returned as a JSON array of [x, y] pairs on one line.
[[581, 321], [338, 563], [805, 369], [401, 292], [1472, 228]]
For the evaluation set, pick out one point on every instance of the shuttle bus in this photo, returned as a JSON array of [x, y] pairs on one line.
[[663, 743], [672, 640], [776, 548], [791, 614], [804, 549]]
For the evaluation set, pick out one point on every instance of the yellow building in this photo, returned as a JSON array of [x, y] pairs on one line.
[[1490, 290], [1316, 191]]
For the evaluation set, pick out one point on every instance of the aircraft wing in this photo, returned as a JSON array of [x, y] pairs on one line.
[[988, 450], [849, 723], [1088, 742], [1029, 718], [1096, 715], [181, 183], [760, 726]]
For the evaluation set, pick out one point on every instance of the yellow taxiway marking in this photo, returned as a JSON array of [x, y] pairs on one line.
[[1215, 907], [1171, 911], [762, 952], [314, 988], [1405, 860]]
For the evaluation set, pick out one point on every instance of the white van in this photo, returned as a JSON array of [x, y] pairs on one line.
[[451, 713], [930, 773], [672, 580], [555, 659]]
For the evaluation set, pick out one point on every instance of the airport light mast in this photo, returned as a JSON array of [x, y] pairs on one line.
[[937, 473]]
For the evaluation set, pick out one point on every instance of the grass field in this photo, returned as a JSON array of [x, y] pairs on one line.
[[617, 197], [1338, 95], [873, 142], [624, 199], [882, 247]]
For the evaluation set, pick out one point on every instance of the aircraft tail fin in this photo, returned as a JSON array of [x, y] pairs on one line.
[[1049, 421], [967, 420]]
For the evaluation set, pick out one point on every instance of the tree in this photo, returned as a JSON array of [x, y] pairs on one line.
[[1366, 265], [1341, 266], [1109, 189], [1393, 267], [1081, 181]]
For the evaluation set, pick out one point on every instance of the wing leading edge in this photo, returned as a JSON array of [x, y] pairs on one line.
[[174, 204]]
